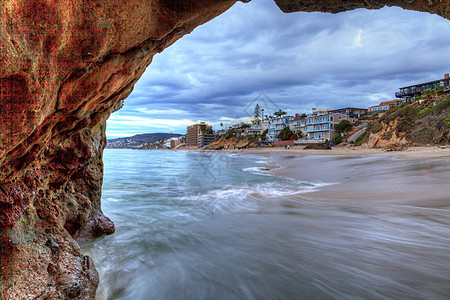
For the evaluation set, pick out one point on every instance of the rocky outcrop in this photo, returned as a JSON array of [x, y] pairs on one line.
[[317, 146], [64, 67], [335, 6], [418, 124], [237, 142]]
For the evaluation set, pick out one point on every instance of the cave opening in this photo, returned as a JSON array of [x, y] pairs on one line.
[[301, 61], [197, 225]]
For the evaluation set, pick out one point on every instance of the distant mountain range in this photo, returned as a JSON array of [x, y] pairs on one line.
[[139, 140]]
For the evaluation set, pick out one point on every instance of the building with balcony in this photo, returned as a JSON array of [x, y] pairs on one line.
[[276, 125], [195, 131], [298, 124], [383, 106], [351, 111], [407, 93], [321, 127], [257, 129], [321, 111], [206, 139]]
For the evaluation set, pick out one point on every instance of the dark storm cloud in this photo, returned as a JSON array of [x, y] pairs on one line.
[[300, 60]]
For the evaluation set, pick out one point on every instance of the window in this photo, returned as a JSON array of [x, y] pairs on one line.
[[331, 119], [340, 118]]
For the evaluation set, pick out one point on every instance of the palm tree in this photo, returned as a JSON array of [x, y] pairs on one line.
[[280, 113]]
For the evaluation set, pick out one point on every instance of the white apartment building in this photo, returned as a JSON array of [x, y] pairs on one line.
[[276, 125], [257, 129]]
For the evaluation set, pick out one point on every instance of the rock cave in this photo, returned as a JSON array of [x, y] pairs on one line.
[[65, 67]]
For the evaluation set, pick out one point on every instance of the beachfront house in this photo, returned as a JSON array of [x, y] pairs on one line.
[[407, 93], [257, 129], [276, 125], [320, 128], [383, 106], [298, 124], [320, 111], [352, 112]]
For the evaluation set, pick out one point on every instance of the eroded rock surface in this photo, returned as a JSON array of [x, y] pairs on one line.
[[64, 67]]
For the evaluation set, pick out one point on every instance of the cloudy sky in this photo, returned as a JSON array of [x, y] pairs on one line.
[[254, 53]]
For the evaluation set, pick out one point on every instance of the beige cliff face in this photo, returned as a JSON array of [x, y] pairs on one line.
[[64, 67], [234, 142], [388, 137]]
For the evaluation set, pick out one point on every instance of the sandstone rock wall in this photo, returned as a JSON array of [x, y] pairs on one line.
[[65, 65], [439, 7]]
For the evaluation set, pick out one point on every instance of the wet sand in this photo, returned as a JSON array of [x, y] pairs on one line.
[[395, 177], [396, 209], [412, 152]]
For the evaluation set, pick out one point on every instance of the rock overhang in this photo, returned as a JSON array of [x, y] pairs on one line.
[[65, 67]]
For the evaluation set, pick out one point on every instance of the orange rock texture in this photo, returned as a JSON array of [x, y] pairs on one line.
[[65, 65]]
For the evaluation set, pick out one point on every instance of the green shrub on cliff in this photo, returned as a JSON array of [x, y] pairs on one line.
[[405, 117], [430, 93], [414, 123], [447, 122], [264, 135], [361, 139], [440, 106], [344, 125], [337, 139], [285, 134], [425, 112]]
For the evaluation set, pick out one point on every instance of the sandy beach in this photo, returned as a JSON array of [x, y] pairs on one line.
[[416, 174], [411, 152]]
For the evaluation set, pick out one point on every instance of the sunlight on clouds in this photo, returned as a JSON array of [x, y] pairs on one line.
[[212, 105], [153, 122], [380, 97], [193, 80], [235, 120], [170, 111], [357, 41]]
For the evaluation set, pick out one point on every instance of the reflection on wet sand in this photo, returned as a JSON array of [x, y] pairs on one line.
[[325, 228]]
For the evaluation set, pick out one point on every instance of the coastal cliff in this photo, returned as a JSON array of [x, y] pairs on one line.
[[65, 67], [418, 124], [236, 142]]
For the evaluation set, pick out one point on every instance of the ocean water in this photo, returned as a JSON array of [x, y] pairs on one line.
[[220, 226]]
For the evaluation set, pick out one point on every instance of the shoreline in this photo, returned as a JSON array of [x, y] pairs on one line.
[[373, 177], [441, 152]]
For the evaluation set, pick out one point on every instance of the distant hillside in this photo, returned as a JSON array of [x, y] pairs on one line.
[[138, 141]]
